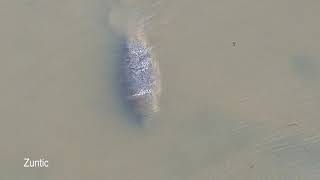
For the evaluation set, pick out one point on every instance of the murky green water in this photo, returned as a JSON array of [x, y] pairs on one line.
[[243, 110]]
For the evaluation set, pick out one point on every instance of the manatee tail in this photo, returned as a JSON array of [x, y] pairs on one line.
[[133, 18]]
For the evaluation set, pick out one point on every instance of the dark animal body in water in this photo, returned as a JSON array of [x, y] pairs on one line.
[[140, 77]]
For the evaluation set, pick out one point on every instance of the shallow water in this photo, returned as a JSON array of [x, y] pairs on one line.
[[248, 110]]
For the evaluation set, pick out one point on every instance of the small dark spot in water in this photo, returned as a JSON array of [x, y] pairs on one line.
[[251, 165]]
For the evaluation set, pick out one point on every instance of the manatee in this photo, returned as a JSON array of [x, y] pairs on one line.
[[140, 76]]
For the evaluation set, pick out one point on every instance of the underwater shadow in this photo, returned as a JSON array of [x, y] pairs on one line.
[[126, 107]]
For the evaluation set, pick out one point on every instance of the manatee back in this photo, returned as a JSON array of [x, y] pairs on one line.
[[139, 70], [141, 76]]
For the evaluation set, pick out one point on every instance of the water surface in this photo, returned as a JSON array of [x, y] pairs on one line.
[[249, 111]]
